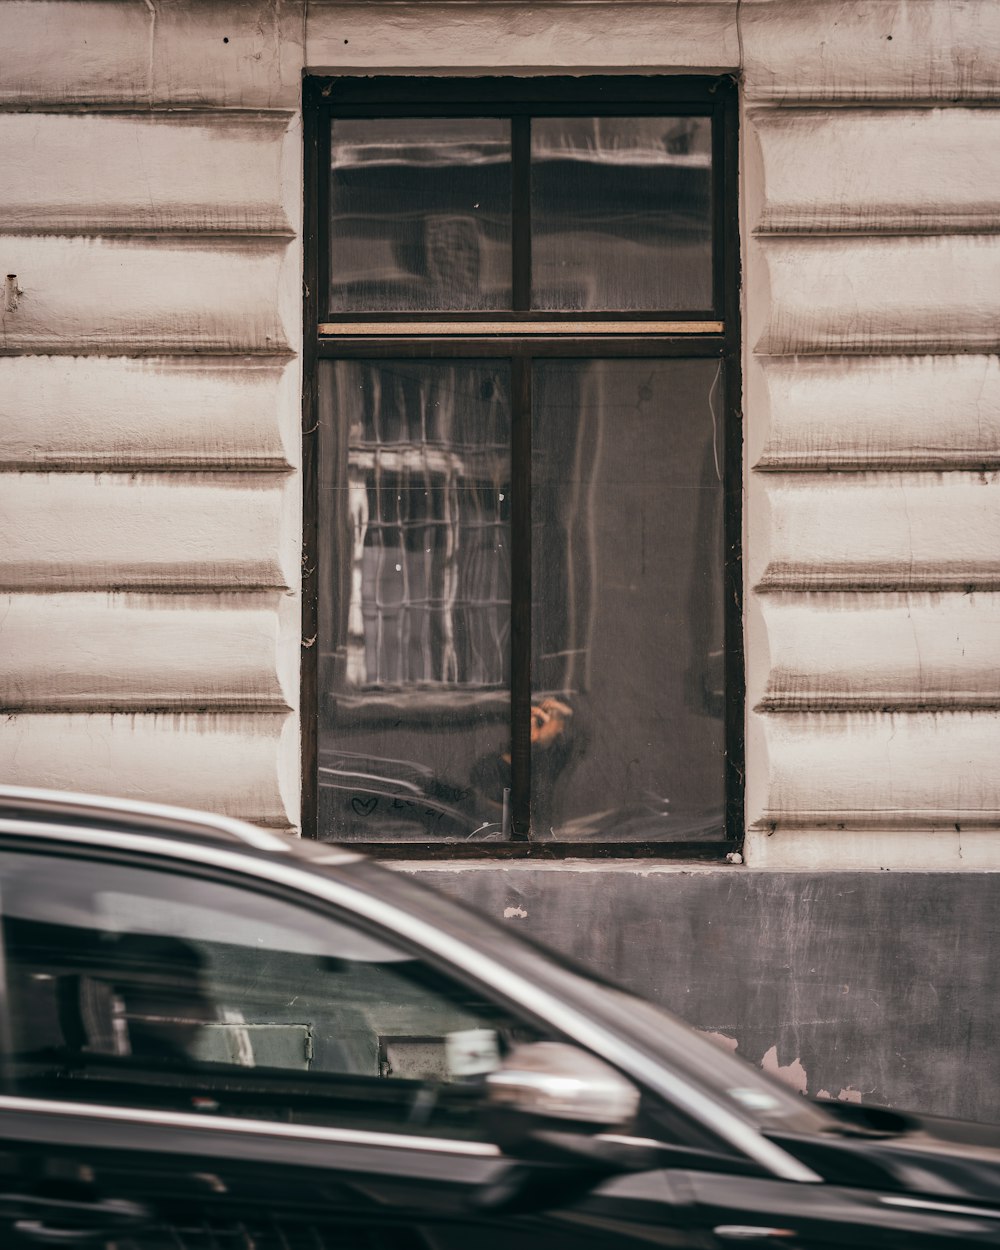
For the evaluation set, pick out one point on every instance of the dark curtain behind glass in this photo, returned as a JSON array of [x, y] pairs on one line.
[[627, 632]]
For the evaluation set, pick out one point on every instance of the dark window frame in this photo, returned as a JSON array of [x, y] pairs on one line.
[[520, 335]]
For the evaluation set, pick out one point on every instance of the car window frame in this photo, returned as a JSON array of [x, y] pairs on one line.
[[152, 862]]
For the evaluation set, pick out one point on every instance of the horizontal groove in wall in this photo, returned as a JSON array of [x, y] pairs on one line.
[[129, 349], [134, 705], [150, 578], [873, 701], [880, 344], [810, 578], [142, 581], [873, 296], [936, 820], [871, 413], [108, 462], [132, 296], [157, 111], [89, 652], [915, 461], [890, 98], [900, 226], [94, 228], [75, 531]]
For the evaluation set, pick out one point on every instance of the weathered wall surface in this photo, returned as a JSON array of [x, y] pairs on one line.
[[871, 208], [150, 401], [149, 378], [801, 972]]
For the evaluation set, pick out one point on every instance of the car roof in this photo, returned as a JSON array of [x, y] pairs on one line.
[[27, 806]]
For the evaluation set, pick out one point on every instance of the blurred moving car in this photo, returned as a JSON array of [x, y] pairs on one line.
[[215, 1038]]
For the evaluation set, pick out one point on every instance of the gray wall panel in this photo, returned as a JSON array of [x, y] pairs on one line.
[[878, 984]]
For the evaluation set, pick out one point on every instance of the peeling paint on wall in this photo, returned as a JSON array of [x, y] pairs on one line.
[[720, 1040], [846, 1095], [793, 1074]]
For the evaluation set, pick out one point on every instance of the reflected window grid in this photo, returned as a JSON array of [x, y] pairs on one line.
[[430, 574]]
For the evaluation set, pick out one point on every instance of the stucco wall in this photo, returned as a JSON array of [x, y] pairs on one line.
[[872, 434], [151, 401], [149, 384]]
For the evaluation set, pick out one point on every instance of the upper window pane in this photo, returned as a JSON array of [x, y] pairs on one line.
[[621, 214], [420, 216]]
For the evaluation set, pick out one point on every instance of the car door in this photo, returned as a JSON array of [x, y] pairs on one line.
[[194, 1060]]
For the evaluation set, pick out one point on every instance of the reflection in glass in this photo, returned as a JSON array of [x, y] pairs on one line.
[[152, 989], [415, 600], [420, 215], [621, 213], [627, 630]]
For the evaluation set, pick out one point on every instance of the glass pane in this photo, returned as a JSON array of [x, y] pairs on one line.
[[420, 215], [150, 989], [621, 213], [415, 599], [627, 633]]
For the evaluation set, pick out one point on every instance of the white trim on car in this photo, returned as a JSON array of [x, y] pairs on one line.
[[258, 1128]]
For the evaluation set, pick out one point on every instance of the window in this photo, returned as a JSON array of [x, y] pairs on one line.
[[522, 542], [141, 987]]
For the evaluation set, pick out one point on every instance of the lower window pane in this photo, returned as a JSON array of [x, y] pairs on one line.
[[627, 633], [414, 621]]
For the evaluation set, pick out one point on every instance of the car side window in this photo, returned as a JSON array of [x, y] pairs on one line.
[[157, 989]]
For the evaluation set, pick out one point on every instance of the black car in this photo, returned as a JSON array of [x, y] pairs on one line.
[[218, 1038]]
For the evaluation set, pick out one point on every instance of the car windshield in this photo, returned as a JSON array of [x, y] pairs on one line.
[[742, 1088]]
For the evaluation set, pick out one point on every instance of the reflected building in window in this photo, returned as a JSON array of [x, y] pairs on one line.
[[421, 213], [428, 468]]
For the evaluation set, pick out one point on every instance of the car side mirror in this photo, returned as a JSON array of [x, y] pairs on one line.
[[557, 1086], [549, 1103]]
